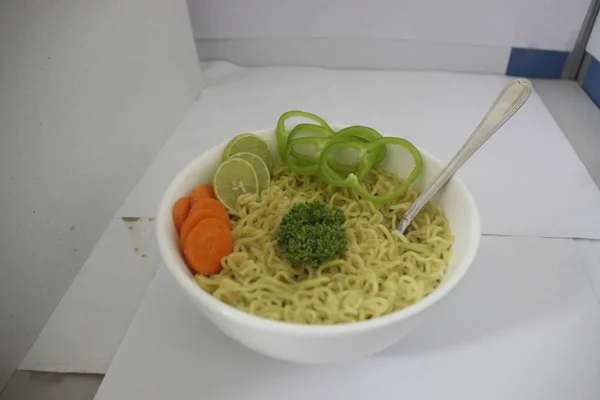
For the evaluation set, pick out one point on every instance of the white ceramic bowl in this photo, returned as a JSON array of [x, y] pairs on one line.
[[321, 344]]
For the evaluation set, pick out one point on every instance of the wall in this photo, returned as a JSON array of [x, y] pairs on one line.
[[591, 79], [89, 92], [593, 46], [476, 35]]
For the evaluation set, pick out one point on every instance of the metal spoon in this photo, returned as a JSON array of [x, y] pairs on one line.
[[508, 102]]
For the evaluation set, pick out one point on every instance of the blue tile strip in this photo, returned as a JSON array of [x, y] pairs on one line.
[[534, 63], [591, 83]]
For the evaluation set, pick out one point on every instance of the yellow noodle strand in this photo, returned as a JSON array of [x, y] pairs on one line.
[[381, 272]]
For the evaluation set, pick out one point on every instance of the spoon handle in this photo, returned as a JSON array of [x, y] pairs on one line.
[[508, 102]]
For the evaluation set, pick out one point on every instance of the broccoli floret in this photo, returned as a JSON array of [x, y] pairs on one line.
[[312, 233]]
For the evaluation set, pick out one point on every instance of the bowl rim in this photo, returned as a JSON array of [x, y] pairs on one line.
[[170, 256]]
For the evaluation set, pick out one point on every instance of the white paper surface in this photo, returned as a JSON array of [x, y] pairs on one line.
[[523, 325], [590, 253], [527, 180], [358, 53], [89, 93], [87, 326]]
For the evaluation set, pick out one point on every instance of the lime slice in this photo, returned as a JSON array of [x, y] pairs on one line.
[[249, 143], [261, 169], [233, 178]]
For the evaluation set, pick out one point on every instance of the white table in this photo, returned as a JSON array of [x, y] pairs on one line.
[[103, 299], [87, 326], [523, 325]]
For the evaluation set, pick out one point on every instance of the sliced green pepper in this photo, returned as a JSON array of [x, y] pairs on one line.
[[366, 160], [318, 138], [301, 162], [354, 181], [282, 134], [362, 133], [352, 133], [326, 144]]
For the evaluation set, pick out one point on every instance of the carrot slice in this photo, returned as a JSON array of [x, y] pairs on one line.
[[202, 192], [206, 245], [213, 205], [181, 209], [193, 220]]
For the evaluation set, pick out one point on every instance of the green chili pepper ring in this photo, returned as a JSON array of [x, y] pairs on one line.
[[365, 134], [322, 161], [366, 161], [282, 134], [323, 137], [319, 139], [354, 182]]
